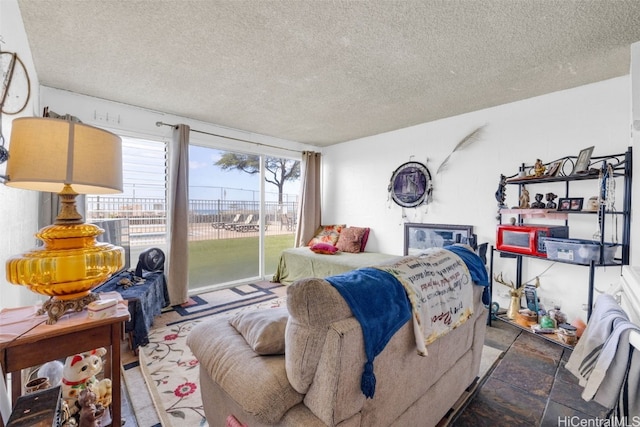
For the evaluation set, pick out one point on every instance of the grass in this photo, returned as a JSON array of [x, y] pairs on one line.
[[224, 260]]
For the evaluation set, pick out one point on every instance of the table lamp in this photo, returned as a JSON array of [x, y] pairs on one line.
[[67, 158]]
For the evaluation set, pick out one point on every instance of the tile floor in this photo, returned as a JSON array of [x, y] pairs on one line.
[[529, 386]]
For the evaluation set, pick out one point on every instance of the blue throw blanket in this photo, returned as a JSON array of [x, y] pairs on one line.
[[474, 264], [476, 268], [380, 304]]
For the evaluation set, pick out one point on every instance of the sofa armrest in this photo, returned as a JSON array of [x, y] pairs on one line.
[[313, 304], [335, 393], [256, 383]]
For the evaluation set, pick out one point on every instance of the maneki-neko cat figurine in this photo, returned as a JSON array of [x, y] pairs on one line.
[[79, 373]]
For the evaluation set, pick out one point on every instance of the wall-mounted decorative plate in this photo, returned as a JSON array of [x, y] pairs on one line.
[[410, 184]]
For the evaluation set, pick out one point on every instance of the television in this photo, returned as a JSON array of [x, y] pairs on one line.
[[116, 232]]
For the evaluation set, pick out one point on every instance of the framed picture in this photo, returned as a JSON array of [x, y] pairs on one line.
[[410, 184], [554, 168], [418, 237], [582, 162], [570, 204]]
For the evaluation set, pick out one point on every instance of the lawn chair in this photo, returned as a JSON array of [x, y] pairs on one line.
[[248, 225], [232, 224], [218, 224], [287, 222]]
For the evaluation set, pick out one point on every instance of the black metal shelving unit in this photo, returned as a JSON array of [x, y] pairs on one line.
[[621, 166]]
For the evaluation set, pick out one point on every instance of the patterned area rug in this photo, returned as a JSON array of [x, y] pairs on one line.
[[170, 369], [142, 391]]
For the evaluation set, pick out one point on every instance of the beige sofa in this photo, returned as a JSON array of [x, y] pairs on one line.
[[317, 381]]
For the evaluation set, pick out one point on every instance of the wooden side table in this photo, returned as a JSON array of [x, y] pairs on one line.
[[26, 341]]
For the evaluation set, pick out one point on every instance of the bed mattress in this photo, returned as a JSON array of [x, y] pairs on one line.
[[300, 263]]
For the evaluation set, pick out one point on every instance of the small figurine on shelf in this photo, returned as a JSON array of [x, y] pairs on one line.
[[79, 373], [515, 293], [524, 199], [550, 201], [500, 192], [90, 410], [538, 204], [539, 168]]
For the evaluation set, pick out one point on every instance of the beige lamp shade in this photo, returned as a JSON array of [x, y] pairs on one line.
[[46, 153]]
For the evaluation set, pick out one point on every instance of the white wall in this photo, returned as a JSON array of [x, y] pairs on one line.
[[128, 120], [357, 173], [18, 208]]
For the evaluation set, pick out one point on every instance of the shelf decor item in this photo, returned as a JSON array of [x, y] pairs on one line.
[[515, 294], [582, 162], [554, 169], [570, 204], [68, 158]]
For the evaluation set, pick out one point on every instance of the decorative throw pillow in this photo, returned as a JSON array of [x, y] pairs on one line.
[[365, 237], [350, 239], [327, 234], [324, 248], [263, 329]]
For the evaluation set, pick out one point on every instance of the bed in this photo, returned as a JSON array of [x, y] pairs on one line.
[[300, 263]]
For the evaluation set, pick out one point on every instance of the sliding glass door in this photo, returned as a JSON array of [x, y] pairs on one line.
[[242, 216], [242, 209], [224, 219]]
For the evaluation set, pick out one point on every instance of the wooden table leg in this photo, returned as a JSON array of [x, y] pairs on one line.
[[16, 386]]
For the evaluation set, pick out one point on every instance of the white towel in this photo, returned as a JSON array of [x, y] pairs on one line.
[[627, 406], [609, 374], [605, 316]]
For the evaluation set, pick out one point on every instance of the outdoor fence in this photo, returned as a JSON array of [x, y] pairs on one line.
[[208, 219]]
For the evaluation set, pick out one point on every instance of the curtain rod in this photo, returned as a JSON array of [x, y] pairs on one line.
[[230, 137]]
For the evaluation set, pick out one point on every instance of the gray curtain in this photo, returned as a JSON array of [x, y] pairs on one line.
[[309, 208], [177, 216]]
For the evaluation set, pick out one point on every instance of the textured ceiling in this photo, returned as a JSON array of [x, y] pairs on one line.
[[323, 72]]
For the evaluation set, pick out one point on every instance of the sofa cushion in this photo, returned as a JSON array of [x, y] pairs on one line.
[[313, 305], [257, 383], [350, 239], [262, 329]]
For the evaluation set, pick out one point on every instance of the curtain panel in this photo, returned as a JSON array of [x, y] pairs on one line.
[[309, 209], [178, 216]]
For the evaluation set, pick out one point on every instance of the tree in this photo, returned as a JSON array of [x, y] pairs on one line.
[[277, 170]]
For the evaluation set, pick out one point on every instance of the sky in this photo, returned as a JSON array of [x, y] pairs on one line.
[[209, 182], [143, 174]]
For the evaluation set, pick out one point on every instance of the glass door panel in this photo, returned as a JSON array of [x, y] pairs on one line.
[[224, 197]]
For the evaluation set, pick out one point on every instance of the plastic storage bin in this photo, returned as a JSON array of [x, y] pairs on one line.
[[578, 251]]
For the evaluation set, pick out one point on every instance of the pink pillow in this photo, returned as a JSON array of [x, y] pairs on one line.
[[324, 248], [327, 234], [350, 239], [365, 237]]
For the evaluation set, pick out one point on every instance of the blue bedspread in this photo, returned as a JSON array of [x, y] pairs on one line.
[[380, 304]]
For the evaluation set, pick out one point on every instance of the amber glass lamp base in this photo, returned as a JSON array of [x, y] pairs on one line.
[[69, 265]]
